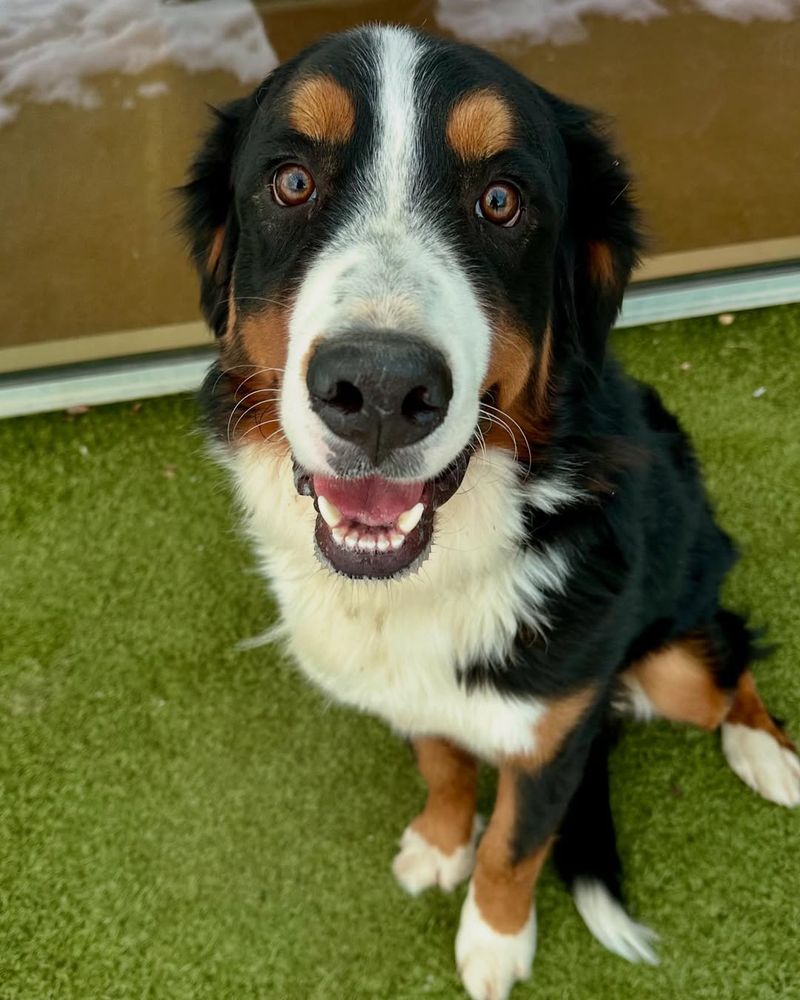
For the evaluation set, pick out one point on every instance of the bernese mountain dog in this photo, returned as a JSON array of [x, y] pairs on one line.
[[475, 524]]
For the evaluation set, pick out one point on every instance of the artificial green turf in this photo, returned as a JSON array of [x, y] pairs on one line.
[[182, 820]]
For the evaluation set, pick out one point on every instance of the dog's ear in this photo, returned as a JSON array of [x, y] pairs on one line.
[[208, 216], [600, 239]]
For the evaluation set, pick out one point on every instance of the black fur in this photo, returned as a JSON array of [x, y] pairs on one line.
[[544, 796], [648, 558], [207, 202], [586, 845]]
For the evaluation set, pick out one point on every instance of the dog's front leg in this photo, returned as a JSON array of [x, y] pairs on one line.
[[438, 847], [496, 938]]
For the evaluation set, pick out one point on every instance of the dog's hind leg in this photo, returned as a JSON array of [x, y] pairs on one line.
[[703, 678], [758, 749]]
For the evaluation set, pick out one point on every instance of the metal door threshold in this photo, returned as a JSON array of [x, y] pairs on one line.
[[115, 381]]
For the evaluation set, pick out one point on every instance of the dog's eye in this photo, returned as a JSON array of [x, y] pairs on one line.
[[293, 185], [500, 203]]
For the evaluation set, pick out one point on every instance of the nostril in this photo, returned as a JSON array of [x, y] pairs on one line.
[[416, 406], [346, 397], [379, 391]]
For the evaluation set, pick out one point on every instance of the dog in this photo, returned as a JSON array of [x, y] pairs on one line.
[[476, 526]]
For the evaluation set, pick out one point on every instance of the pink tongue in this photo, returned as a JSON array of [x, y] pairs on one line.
[[374, 501]]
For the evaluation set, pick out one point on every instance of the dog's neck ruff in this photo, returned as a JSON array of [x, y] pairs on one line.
[[395, 648]]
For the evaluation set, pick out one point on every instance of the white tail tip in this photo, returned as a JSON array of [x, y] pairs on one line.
[[610, 924]]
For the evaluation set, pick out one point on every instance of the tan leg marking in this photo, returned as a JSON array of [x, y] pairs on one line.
[[680, 685], [562, 717], [503, 888], [451, 776], [749, 710], [553, 728]]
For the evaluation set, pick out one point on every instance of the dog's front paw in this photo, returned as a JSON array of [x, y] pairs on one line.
[[419, 865], [489, 962]]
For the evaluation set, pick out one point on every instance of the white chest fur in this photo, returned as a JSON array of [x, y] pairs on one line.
[[393, 648]]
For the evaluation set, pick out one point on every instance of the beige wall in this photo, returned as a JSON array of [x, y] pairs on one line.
[[706, 110]]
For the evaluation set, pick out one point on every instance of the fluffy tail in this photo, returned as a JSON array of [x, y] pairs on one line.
[[586, 858]]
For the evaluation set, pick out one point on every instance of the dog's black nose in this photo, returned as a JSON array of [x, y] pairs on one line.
[[380, 391]]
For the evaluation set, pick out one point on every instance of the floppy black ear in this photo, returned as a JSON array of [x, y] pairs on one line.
[[208, 219], [601, 239]]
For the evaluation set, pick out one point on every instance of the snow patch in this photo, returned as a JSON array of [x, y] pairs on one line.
[[751, 10], [49, 48], [154, 89], [561, 21]]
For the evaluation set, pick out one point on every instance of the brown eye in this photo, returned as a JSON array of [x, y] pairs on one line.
[[292, 185], [500, 203]]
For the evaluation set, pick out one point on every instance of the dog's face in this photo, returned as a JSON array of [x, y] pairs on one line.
[[405, 247]]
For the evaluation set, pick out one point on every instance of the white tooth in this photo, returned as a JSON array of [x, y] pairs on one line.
[[409, 519], [330, 515], [383, 543], [338, 535], [351, 540], [396, 539], [367, 543]]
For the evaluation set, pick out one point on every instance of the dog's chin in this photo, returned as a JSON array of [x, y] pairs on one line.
[[375, 528]]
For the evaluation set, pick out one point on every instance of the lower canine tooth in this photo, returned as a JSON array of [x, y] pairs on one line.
[[409, 519], [330, 515]]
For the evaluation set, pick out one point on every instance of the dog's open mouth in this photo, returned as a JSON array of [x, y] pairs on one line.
[[375, 527]]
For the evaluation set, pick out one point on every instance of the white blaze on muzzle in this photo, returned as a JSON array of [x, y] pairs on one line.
[[389, 268]]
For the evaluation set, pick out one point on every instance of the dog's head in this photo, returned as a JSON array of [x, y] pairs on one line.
[[404, 248]]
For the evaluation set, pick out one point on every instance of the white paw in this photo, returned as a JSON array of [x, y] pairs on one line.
[[419, 865], [608, 921], [489, 962], [762, 763]]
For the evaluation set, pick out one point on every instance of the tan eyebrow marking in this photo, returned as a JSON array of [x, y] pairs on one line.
[[480, 125], [322, 109]]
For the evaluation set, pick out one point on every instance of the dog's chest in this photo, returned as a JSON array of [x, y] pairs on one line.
[[399, 660], [394, 649]]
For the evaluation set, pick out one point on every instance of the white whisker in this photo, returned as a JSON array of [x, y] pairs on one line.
[[255, 406], [258, 298], [506, 416]]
